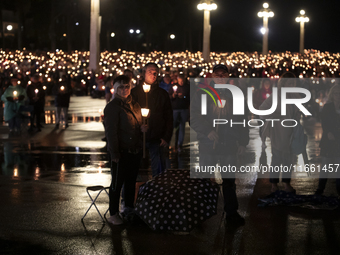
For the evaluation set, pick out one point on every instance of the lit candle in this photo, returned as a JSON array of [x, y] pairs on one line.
[[223, 103], [267, 95], [112, 90], [36, 91], [145, 112], [15, 93], [175, 88], [146, 87], [62, 88]]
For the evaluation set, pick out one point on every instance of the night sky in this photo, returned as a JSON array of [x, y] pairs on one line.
[[235, 25]]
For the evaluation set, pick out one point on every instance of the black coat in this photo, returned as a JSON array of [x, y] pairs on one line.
[[123, 127], [40, 102], [183, 101], [229, 136], [62, 97], [330, 121], [160, 122]]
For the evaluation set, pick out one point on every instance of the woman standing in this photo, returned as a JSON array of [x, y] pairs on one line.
[[330, 141], [123, 126], [280, 136]]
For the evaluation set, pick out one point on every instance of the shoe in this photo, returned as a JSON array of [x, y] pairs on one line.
[[235, 220], [115, 219], [57, 126]]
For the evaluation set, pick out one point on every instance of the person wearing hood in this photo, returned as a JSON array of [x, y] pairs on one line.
[[123, 130], [160, 121]]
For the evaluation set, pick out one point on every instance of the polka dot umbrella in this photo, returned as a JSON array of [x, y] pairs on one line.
[[173, 201]]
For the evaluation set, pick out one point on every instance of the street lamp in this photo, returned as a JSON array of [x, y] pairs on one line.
[[302, 19], [207, 6], [137, 31], [265, 13], [94, 35], [131, 31], [113, 34], [9, 27], [172, 36]]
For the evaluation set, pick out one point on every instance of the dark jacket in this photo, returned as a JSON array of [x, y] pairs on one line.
[[62, 96], [123, 127], [182, 101], [229, 136], [30, 90], [330, 121], [160, 122]]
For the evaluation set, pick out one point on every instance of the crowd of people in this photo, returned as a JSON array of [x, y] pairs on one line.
[[121, 80]]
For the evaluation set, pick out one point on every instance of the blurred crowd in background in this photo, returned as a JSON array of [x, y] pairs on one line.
[[314, 68]]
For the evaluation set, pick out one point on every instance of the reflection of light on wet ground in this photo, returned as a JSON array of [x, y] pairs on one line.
[[95, 178], [37, 173], [62, 168], [126, 243], [15, 171]]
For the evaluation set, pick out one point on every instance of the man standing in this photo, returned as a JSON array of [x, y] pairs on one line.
[[160, 121], [223, 144], [180, 99], [62, 92], [36, 96]]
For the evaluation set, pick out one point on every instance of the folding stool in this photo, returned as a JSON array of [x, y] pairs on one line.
[[100, 189]]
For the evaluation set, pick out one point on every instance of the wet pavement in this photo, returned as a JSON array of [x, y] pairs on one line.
[[44, 176]]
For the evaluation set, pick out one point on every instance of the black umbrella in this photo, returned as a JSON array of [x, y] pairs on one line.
[[173, 201]]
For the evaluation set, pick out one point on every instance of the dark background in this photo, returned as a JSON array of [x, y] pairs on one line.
[[235, 25]]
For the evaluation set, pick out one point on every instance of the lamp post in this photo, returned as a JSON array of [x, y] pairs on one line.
[[302, 19], [207, 6], [265, 13], [94, 35]]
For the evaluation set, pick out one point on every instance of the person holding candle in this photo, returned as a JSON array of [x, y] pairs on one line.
[[62, 92], [36, 97], [180, 100], [223, 145], [14, 97], [160, 121], [123, 130]]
